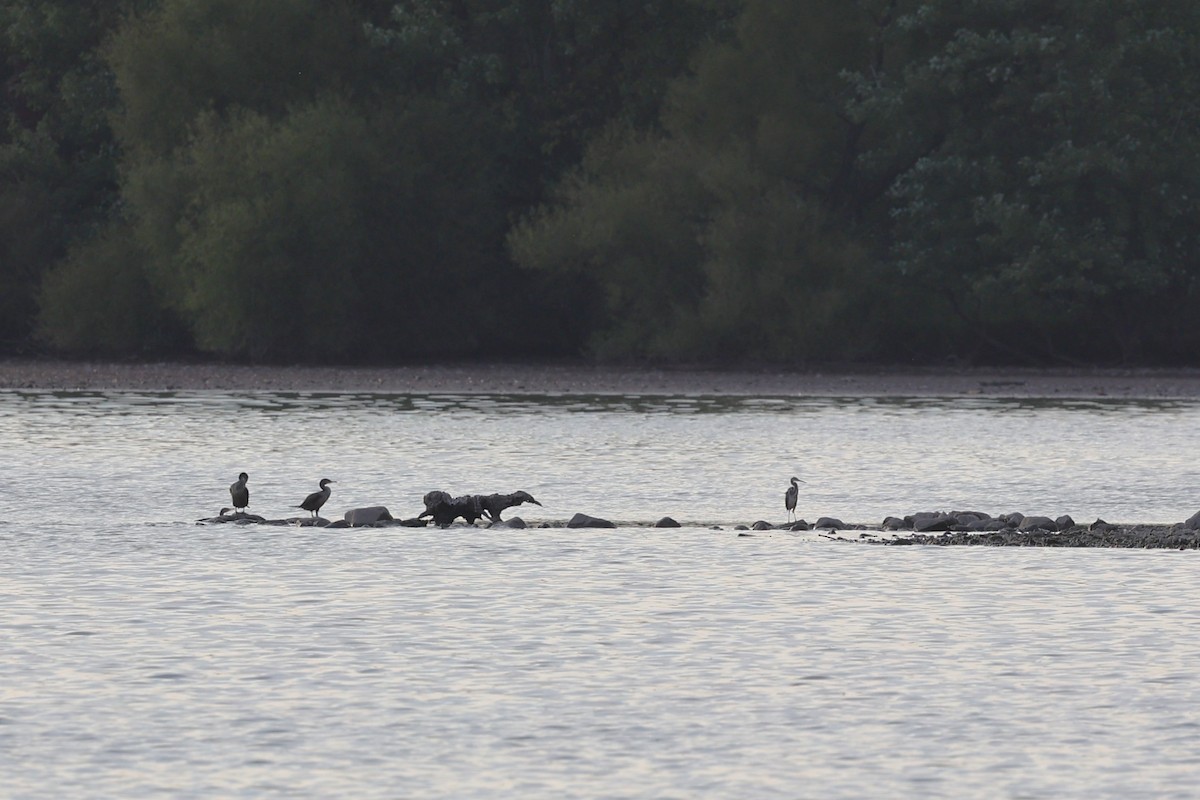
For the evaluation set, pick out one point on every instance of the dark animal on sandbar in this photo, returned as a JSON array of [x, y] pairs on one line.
[[239, 493], [494, 504], [315, 500], [445, 509]]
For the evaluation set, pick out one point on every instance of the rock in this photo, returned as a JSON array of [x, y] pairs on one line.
[[925, 521], [238, 518], [1012, 520], [516, 523], [1099, 534], [762, 525], [366, 517], [307, 522], [667, 522], [586, 521], [340, 523], [832, 523], [413, 522], [1037, 524], [741, 528], [1064, 522], [1192, 523], [799, 525], [895, 524], [968, 519]]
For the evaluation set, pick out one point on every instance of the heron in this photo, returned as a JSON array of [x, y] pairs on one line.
[[239, 493], [789, 497], [315, 500]]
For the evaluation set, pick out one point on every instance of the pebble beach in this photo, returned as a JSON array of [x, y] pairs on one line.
[[533, 378]]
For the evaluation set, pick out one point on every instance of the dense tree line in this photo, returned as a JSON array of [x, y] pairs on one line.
[[777, 180]]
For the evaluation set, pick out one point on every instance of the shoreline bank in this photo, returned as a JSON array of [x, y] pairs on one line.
[[584, 379]]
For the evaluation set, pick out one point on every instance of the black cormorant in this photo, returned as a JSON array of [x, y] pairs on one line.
[[315, 500], [239, 493]]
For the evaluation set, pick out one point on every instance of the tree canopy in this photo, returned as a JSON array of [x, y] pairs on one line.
[[779, 180]]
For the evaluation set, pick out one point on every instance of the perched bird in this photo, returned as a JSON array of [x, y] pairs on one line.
[[315, 500], [239, 493], [789, 497]]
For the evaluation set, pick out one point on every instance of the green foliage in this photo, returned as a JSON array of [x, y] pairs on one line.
[[97, 301], [58, 171], [785, 180], [632, 235], [187, 58], [1050, 173], [295, 219], [729, 234], [553, 73]]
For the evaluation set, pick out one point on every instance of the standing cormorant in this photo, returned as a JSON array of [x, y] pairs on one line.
[[789, 497], [315, 500], [239, 493]]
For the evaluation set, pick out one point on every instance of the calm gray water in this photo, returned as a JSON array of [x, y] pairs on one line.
[[142, 655]]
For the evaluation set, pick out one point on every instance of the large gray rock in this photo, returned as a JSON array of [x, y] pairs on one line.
[[980, 525], [515, 523], [1037, 524], [1192, 523], [586, 521], [305, 522], [366, 517], [236, 517], [926, 521], [667, 522], [830, 523], [762, 525]]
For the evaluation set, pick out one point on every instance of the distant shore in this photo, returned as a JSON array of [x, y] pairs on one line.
[[535, 378]]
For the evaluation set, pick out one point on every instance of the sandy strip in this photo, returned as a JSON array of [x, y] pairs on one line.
[[524, 378]]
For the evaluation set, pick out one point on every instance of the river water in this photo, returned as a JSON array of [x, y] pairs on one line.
[[142, 655]]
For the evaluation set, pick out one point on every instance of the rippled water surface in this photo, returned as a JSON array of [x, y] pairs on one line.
[[142, 655]]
